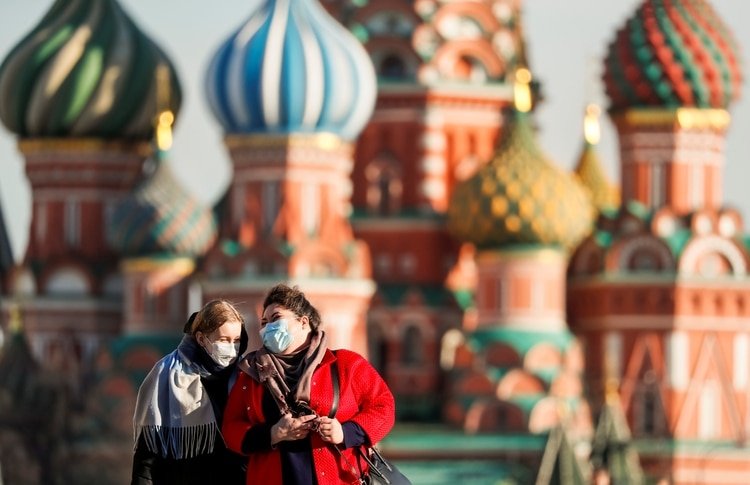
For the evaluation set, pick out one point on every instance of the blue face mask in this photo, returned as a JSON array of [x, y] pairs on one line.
[[276, 336]]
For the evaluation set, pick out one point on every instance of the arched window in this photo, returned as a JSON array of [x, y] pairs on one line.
[[650, 412], [392, 67], [468, 68], [68, 281], [377, 347], [412, 347], [384, 185], [72, 223], [270, 198], [149, 302]]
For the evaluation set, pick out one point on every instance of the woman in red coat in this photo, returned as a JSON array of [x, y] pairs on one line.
[[278, 409]]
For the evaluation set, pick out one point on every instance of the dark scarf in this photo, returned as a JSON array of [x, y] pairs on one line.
[[287, 377]]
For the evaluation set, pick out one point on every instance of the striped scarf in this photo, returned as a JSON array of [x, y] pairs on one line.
[[173, 411]]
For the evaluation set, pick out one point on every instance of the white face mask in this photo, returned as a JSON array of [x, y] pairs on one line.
[[224, 353]]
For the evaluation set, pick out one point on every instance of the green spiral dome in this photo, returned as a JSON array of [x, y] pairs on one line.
[[520, 198], [86, 70]]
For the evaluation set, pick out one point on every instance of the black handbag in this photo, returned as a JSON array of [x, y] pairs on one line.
[[381, 472]]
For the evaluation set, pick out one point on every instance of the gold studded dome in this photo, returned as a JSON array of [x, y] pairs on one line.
[[519, 197]]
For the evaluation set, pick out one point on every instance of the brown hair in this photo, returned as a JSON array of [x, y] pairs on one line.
[[213, 315], [294, 300]]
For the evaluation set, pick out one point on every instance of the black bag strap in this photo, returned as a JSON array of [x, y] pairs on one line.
[[334, 408], [336, 390]]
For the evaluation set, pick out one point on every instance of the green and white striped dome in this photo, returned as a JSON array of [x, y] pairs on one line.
[[86, 70]]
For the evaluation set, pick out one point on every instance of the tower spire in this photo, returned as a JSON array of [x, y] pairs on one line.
[[522, 90], [164, 115]]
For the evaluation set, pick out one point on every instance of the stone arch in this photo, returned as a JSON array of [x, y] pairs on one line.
[[587, 259], [67, 279], [459, 59], [393, 61], [640, 253], [725, 253]]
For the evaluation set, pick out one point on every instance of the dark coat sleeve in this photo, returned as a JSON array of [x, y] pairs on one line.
[[143, 464]]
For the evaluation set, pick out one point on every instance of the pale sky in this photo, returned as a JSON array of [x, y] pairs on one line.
[[567, 40]]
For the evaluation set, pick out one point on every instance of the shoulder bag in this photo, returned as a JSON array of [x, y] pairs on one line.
[[381, 471]]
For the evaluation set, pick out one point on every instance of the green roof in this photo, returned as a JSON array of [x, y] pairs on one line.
[[656, 447], [433, 295], [474, 472], [364, 214], [521, 340], [678, 241], [426, 438]]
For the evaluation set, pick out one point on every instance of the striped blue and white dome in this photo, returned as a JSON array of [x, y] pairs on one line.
[[292, 68]]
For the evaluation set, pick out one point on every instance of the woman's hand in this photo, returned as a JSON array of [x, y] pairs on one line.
[[330, 430], [289, 428]]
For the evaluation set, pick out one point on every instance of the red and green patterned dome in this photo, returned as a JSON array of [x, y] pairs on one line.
[[671, 54], [519, 197]]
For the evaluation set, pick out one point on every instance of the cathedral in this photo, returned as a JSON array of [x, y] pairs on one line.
[[535, 325]]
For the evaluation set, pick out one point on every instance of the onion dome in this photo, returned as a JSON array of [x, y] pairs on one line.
[[291, 68], [85, 71], [159, 217], [671, 54], [519, 197], [604, 195]]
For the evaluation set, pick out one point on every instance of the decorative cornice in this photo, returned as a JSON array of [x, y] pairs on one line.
[[324, 141], [179, 264], [540, 254], [684, 118], [32, 146]]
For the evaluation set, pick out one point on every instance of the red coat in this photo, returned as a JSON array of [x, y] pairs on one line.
[[364, 398]]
